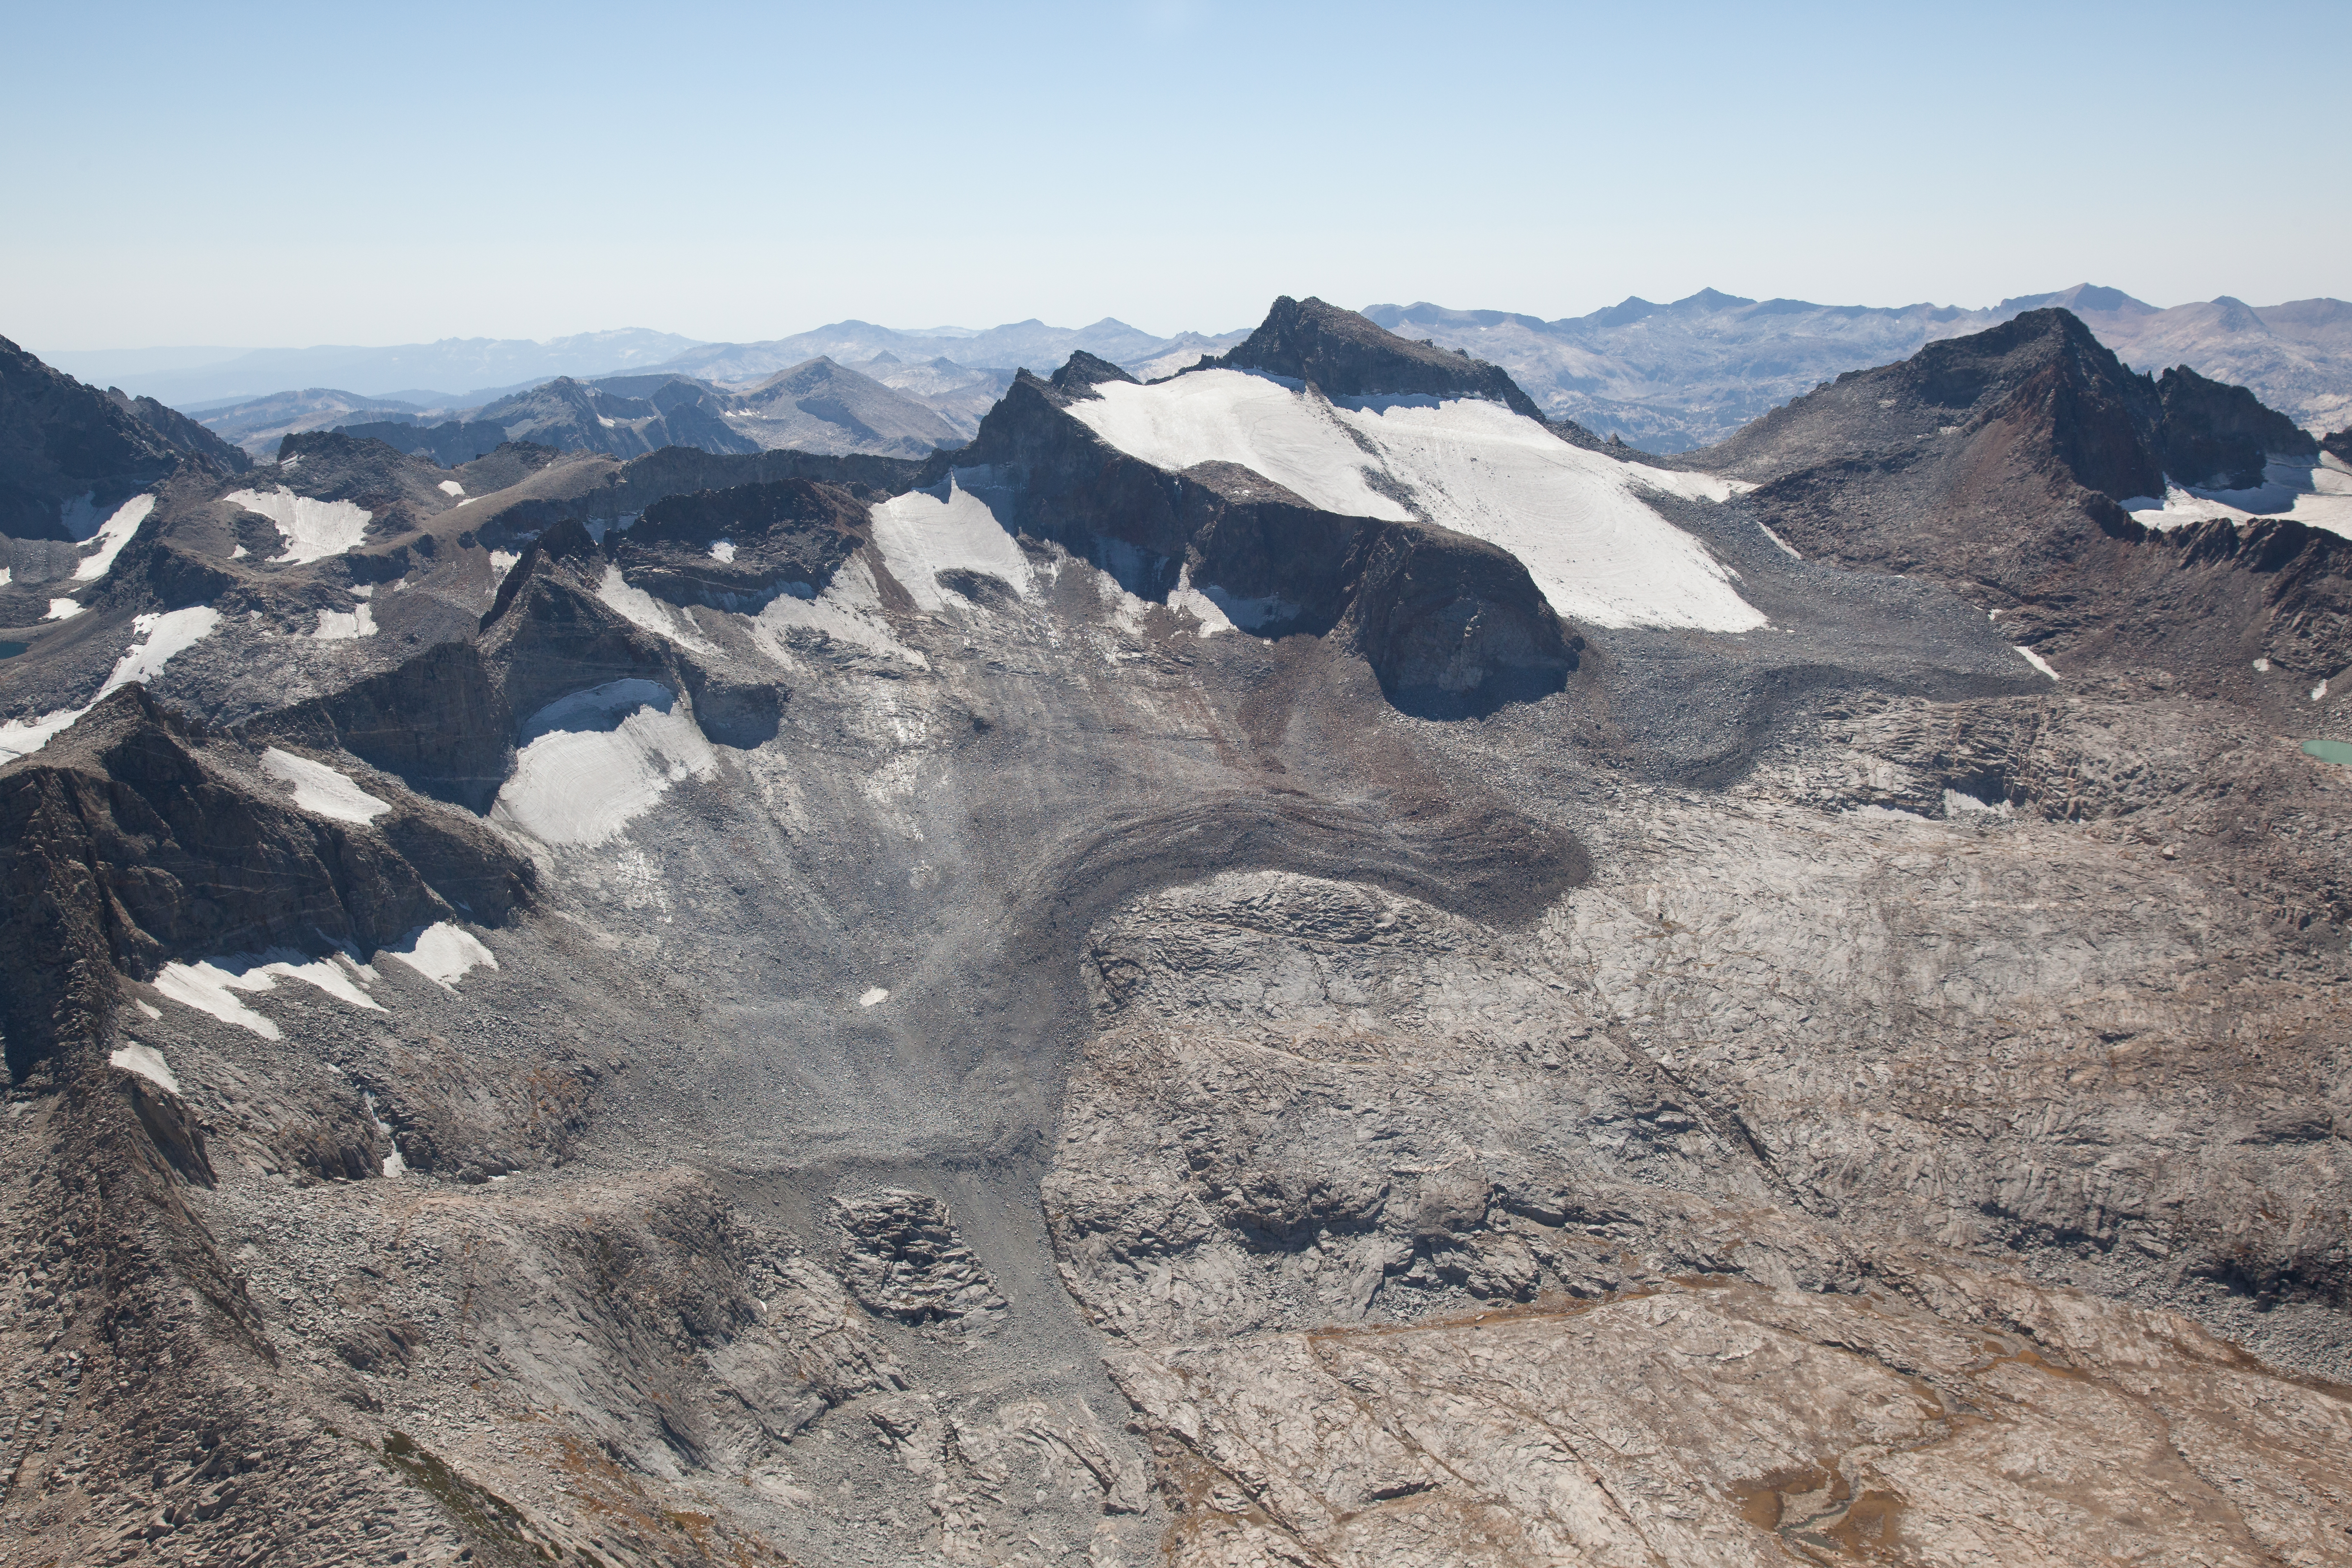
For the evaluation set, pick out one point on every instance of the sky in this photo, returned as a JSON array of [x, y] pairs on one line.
[[286, 175]]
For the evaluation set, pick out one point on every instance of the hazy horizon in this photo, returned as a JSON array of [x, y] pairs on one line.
[[267, 176]]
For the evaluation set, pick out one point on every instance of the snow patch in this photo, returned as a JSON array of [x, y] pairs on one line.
[[2037, 661], [172, 633], [2315, 492], [639, 608], [849, 610], [148, 1063], [366, 591], [147, 1009], [6, 573], [873, 996], [339, 625], [595, 761], [210, 984], [1791, 549], [1577, 519], [2261, 667], [924, 532], [321, 789], [313, 529], [722, 550], [113, 535], [2319, 692], [452, 488], [395, 1167], [62, 610], [443, 953]]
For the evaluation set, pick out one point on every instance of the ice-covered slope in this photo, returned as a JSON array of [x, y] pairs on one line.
[[1577, 519]]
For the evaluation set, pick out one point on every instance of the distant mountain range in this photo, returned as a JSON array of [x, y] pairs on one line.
[[1676, 376], [406, 372], [1666, 377]]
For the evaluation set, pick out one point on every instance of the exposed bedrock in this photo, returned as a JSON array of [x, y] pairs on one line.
[[131, 840]]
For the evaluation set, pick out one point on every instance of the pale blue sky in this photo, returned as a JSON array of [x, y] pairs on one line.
[[293, 174]]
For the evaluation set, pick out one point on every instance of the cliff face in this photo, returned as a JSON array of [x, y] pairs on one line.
[[60, 441]]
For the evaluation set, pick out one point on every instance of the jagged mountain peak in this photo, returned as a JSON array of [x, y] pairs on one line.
[[1349, 356]]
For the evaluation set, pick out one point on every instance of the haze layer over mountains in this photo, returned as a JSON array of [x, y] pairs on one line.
[[1666, 378], [1299, 961]]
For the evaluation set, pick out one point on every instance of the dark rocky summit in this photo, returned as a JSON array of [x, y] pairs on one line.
[[2000, 463], [60, 441], [1348, 356]]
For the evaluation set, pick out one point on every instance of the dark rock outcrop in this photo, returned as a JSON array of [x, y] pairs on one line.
[[451, 444], [2000, 461], [1349, 356], [785, 536], [2212, 435], [125, 843], [60, 441]]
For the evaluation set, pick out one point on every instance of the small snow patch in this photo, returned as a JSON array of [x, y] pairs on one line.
[[452, 488], [443, 953], [2261, 667], [113, 535], [722, 550], [2319, 692], [149, 1008], [873, 996], [338, 626], [2037, 661], [62, 610], [209, 984], [1791, 549], [148, 1063], [321, 789], [313, 529]]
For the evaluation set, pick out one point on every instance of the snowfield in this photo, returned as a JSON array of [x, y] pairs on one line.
[[443, 953], [595, 761], [164, 636], [923, 533], [313, 529], [1576, 519], [2319, 493], [341, 625], [113, 535], [321, 789], [210, 985]]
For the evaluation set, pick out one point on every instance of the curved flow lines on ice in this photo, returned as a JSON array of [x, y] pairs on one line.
[[1577, 519], [593, 762]]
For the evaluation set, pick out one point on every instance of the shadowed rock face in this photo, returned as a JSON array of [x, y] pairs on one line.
[[132, 841], [60, 441]]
